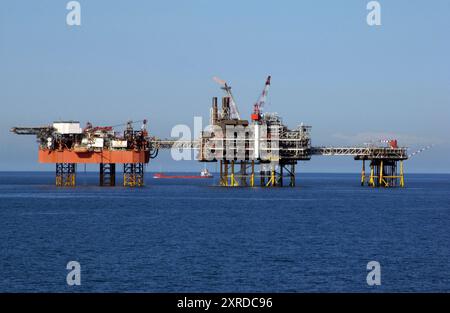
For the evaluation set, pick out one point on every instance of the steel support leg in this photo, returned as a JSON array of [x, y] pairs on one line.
[[65, 174], [107, 174], [363, 173], [133, 174], [402, 177], [384, 173]]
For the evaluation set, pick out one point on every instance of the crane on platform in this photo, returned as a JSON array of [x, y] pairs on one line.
[[259, 105], [234, 114]]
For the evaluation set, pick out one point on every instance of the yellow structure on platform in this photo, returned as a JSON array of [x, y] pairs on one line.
[[383, 173], [65, 174], [242, 174], [133, 175]]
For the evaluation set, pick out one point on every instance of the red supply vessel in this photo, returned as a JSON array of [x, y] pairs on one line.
[[203, 174]]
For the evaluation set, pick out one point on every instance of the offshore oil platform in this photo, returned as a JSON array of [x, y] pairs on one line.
[[260, 152], [241, 147], [66, 144]]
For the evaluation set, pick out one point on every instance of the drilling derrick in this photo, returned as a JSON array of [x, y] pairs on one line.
[[66, 144]]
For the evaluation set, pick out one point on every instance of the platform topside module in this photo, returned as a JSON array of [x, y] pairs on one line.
[[66, 144]]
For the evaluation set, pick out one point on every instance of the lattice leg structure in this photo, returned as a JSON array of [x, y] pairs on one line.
[[243, 174], [384, 173], [133, 174], [107, 174], [289, 168], [223, 173], [263, 175], [65, 174], [271, 173], [275, 174], [228, 175]]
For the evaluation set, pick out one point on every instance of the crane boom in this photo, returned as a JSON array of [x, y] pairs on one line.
[[234, 114], [263, 97], [259, 105], [37, 131]]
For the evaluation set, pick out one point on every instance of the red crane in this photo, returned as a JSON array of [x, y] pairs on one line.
[[259, 105]]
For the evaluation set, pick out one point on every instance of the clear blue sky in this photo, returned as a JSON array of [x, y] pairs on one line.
[[155, 60]]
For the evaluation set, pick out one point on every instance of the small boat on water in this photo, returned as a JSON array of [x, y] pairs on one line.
[[203, 174]]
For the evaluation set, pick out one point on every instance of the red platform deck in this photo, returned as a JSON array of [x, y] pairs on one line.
[[105, 156]]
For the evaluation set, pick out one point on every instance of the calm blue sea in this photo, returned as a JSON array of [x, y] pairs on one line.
[[190, 236]]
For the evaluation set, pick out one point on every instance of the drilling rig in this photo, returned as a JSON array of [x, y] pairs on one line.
[[66, 144]]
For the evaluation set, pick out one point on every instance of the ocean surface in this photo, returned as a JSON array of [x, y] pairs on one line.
[[191, 236]]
